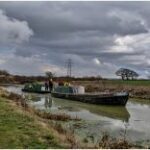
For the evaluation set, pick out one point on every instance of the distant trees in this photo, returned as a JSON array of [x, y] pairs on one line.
[[4, 73], [126, 74], [49, 74]]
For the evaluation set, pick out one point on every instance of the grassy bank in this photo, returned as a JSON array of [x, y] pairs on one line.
[[137, 88], [20, 127]]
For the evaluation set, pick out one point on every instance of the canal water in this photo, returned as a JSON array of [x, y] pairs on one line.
[[131, 122]]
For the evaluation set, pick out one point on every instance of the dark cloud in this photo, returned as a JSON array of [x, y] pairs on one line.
[[101, 35]]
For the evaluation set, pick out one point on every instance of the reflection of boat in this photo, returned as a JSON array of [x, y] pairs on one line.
[[40, 92], [48, 102], [35, 88], [71, 93], [116, 112]]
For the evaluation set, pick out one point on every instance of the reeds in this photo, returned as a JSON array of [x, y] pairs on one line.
[[59, 117], [107, 142]]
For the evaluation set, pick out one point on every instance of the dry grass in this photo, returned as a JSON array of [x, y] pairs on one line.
[[16, 98], [107, 142], [59, 117]]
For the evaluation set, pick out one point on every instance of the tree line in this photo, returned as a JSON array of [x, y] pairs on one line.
[[124, 73]]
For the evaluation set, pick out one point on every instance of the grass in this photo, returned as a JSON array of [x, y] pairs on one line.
[[22, 126], [130, 82], [20, 130]]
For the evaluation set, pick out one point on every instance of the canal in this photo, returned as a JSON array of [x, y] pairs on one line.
[[131, 122]]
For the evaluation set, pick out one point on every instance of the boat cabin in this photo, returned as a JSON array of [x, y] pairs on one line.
[[69, 89]]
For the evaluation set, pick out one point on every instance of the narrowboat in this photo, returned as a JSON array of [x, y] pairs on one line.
[[78, 94], [35, 88]]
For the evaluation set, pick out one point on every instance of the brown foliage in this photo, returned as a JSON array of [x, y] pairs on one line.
[[107, 142], [45, 115]]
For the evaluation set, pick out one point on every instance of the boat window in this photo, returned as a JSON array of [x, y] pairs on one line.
[[63, 89]]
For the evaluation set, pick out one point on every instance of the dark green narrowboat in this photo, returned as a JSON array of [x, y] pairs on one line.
[[35, 88], [77, 94]]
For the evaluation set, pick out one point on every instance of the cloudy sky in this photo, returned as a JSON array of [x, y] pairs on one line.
[[99, 37]]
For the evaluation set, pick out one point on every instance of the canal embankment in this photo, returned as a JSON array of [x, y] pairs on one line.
[[24, 127]]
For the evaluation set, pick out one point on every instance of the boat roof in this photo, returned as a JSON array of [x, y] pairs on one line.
[[64, 89], [73, 90]]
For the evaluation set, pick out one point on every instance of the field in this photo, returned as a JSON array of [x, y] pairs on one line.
[[129, 82]]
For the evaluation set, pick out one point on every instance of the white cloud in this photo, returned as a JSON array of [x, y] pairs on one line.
[[123, 41], [127, 19], [131, 44], [98, 41], [96, 61], [13, 30]]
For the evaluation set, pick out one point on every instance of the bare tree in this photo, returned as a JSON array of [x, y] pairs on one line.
[[49, 74], [126, 74]]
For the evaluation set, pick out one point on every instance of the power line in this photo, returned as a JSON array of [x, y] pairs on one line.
[[69, 67]]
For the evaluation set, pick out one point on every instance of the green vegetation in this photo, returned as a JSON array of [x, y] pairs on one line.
[[18, 129], [130, 82], [117, 82]]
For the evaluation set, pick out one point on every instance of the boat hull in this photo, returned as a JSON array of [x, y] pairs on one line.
[[95, 99]]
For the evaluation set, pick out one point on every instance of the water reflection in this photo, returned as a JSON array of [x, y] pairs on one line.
[[79, 108], [48, 101], [117, 112]]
